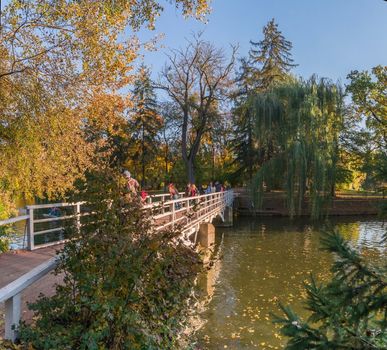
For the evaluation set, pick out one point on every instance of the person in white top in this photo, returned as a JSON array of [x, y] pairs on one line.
[[132, 184]]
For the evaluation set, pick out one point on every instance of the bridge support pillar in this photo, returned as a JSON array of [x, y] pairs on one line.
[[206, 236], [227, 218]]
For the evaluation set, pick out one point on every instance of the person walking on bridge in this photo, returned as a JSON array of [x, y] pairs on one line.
[[193, 191], [174, 193], [132, 184]]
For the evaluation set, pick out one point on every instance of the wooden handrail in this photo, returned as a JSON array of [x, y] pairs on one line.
[[11, 295]]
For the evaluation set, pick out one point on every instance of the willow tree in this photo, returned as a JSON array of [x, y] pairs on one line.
[[299, 125]]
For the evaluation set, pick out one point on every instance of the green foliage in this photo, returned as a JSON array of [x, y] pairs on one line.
[[369, 102], [273, 57], [297, 131], [125, 286], [244, 147], [369, 93], [268, 65], [349, 312], [145, 122]]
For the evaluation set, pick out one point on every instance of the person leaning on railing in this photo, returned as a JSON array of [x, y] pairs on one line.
[[174, 193]]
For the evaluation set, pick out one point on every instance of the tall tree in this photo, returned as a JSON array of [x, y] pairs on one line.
[[369, 97], [269, 63], [196, 78], [369, 109], [145, 121], [270, 60], [244, 146], [169, 135]]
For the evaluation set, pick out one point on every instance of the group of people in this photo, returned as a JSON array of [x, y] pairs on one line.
[[191, 190]]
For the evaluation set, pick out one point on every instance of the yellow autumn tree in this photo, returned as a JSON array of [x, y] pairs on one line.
[[63, 67]]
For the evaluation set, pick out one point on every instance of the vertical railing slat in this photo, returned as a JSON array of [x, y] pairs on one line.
[[30, 229]]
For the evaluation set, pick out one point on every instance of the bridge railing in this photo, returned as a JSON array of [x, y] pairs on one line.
[[11, 295], [45, 223], [189, 212]]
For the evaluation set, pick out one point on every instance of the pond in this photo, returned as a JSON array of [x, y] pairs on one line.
[[264, 261]]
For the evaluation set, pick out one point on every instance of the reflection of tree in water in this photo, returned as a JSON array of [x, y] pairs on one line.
[[307, 241], [350, 231]]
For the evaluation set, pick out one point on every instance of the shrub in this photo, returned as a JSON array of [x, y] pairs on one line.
[[125, 285]]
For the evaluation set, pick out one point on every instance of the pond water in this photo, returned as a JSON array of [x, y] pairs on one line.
[[266, 260]]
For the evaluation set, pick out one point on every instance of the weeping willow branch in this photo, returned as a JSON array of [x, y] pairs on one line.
[[297, 130]]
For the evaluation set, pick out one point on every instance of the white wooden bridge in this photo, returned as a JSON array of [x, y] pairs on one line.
[[44, 227]]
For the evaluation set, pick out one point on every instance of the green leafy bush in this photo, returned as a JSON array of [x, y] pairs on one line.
[[125, 285]]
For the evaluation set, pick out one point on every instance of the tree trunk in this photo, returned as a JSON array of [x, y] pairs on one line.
[[190, 170], [143, 157], [166, 166]]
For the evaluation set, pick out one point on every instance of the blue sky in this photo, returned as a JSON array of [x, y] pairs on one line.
[[330, 37]]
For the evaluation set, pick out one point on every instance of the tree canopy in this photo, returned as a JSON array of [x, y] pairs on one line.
[[63, 66], [298, 127], [196, 79]]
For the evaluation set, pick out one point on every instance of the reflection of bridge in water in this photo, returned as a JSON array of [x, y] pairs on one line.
[[44, 235]]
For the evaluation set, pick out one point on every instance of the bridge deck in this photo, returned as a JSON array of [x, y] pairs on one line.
[[15, 264]]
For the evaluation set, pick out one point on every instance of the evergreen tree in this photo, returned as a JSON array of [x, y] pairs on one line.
[[270, 59], [269, 63], [244, 147], [145, 121], [350, 312]]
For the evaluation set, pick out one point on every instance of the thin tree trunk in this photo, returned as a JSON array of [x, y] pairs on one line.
[[190, 170], [166, 163], [143, 157], [213, 162]]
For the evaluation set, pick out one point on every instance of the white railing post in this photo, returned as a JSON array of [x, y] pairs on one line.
[[173, 216], [12, 316], [187, 211], [30, 229]]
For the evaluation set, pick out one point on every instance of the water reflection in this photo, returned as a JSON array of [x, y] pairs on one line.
[[264, 261]]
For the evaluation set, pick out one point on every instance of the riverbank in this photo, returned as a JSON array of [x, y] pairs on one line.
[[274, 204]]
